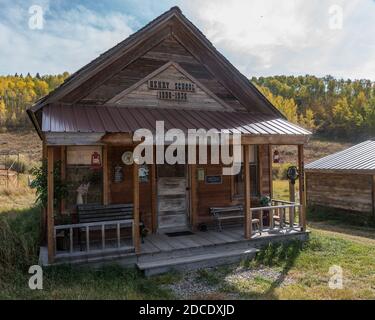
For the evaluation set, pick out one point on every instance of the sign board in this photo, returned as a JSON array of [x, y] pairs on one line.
[[214, 180], [171, 90]]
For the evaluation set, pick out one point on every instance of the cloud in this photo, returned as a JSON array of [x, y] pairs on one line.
[[70, 38], [268, 37], [260, 37]]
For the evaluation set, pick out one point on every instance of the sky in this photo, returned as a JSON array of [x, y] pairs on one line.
[[260, 37]]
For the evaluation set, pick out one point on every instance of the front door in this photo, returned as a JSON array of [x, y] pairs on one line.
[[172, 197]]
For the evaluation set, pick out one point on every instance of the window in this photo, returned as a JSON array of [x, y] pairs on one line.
[[254, 176], [84, 175]]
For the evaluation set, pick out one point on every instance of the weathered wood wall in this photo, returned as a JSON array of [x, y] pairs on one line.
[[344, 191], [167, 50], [215, 195], [122, 192]]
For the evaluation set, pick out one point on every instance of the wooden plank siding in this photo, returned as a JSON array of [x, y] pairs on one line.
[[167, 50], [343, 191], [202, 195]]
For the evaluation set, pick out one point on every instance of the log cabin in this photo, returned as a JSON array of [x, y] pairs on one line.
[[146, 214], [344, 180]]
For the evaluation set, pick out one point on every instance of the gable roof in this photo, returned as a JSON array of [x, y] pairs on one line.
[[230, 77], [360, 158]]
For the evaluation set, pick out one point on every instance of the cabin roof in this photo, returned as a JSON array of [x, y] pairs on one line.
[[249, 95], [359, 158], [116, 119]]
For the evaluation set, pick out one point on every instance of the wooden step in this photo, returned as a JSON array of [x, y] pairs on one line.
[[172, 253], [197, 261]]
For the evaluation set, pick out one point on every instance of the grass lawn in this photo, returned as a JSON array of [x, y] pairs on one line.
[[290, 271]]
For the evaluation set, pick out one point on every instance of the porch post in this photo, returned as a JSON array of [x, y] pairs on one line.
[[270, 155], [43, 218], [248, 215], [136, 240], [105, 175], [153, 197], [302, 186], [63, 175], [50, 197], [193, 194]]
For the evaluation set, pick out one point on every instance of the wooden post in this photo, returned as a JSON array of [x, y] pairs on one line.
[[105, 176], [193, 194], [373, 195], [153, 198], [292, 198], [50, 218], [260, 170], [136, 239], [270, 156], [248, 215], [63, 175], [302, 187], [43, 221]]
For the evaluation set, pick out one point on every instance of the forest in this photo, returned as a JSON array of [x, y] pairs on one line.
[[19, 92], [331, 108]]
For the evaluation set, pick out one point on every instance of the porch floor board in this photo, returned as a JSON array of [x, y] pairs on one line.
[[160, 242], [160, 247]]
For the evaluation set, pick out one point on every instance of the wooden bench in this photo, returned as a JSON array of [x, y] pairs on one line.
[[230, 213], [102, 213], [98, 213]]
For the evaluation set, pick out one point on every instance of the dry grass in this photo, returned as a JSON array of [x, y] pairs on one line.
[[314, 150], [15, 198], [27, 143]]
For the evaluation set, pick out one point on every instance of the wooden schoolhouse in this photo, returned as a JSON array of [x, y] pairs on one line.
[[160, 216]]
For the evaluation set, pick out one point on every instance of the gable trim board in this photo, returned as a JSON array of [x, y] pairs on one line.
[[172, 22]]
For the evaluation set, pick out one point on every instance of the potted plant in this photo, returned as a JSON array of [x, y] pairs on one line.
[[265, 201]]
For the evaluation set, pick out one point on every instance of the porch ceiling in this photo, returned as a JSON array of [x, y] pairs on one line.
[[113, 119]]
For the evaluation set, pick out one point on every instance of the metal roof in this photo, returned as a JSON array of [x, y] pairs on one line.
[[114, 119], [360, 157]]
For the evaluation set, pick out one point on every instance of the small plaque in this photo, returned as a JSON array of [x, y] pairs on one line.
[[214, 179], [200, 174], [119, 175]]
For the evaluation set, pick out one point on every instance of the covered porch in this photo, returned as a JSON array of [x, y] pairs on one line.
[[71, 241]]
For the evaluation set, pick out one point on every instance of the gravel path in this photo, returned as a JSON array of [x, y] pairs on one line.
[[192, 286]]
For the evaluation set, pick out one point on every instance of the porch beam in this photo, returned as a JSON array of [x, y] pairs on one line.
[[118, 139], [279, 139], [302, 195], [247, 207], [136, 240], [50, 197]]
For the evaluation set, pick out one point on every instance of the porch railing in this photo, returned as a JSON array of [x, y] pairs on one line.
[[284, 212], [79, 242]]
